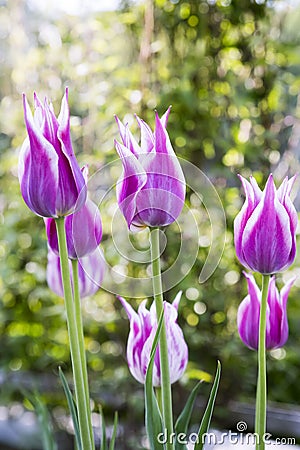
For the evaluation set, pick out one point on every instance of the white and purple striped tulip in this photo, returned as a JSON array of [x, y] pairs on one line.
[[277, 329], [83, 231], [265, 228], [52, 184], [151, 190], [143, 327], [91, 270]]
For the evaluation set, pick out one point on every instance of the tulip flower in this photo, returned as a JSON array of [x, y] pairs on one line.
[[143, 326], [265, 228], [52, 184], [151, 190], [91, 270], [83, 231], [276, 317]]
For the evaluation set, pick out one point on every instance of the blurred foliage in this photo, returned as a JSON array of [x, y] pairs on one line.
[[231, 70]]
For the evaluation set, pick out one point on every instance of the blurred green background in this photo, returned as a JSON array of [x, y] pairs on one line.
[[231, 70]]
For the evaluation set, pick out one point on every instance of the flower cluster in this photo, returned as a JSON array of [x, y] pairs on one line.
[[150, 192]]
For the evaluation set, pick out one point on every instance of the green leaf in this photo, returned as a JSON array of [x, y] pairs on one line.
[[152, 414], [103, 426], [205, 423], [44, 420], [72, 408], [183, 420], [114, 434]]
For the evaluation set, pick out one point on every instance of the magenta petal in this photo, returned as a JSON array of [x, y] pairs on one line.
[[130, 183], [248, 314], [242, 218], [127, 138], [165, 117], [283, 297], [261, 251], [147, 138], [83, 231], [135, 342], [73, 199], [176, 300], [38, 169], [162, 141]]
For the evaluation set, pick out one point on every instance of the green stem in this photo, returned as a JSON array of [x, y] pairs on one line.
[[163, 347], [159, 398], [80, 335], [82, 408], [261, 394]]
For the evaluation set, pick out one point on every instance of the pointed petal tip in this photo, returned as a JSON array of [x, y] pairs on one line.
[[176, 300]]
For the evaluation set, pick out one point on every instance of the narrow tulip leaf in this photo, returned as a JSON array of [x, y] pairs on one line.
[[72, 408], [114, 433], [103, 444], [44, 419], [152, 413], [183, 420], [205, 423]]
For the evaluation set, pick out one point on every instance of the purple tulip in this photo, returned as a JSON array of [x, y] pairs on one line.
[[91, 270], [143, 326], [83, 231], [52, 184], [151, 190], [249, 312], [265, 228]]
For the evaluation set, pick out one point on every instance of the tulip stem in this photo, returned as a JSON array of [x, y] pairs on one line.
[[80, 394], [166, 392], [158, 397], [80, 334], [261, 393]]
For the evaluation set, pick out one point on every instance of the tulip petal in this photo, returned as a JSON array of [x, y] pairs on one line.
[[165, 117], [135, 342], [70, 173], [130, 183], [38, 169], [242, 218], [176, 300], [147, 138], [248, 314], [284, 332], [127, 138]]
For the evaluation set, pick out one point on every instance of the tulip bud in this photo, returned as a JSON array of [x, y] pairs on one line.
[[151, 190], [265, 228], [143, 327], [52, 184], [276, 319], [91, 270], [83, 231]]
